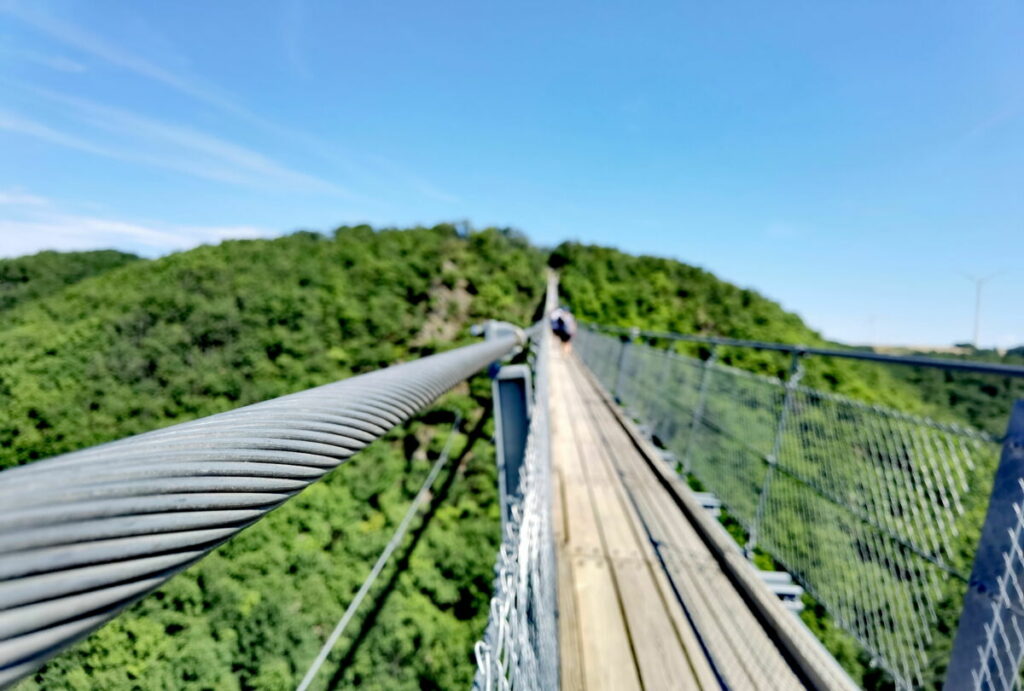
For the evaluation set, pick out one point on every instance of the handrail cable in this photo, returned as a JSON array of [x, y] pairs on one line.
[[909, 360], [88, 533], [382, 560]]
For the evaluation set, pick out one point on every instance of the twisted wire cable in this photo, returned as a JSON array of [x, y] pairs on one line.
[[85, 534]]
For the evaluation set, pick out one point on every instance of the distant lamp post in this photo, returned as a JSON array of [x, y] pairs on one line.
[[979, 283]]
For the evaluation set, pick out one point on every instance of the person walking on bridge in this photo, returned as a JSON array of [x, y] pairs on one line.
[[563, 324]]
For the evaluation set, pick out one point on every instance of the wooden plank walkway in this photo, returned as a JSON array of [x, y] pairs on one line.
[[643, 603]]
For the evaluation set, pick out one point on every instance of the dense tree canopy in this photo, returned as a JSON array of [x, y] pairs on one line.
[[27, 278], [158, 342], [101, 345]]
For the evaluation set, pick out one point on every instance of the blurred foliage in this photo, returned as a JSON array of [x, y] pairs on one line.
[[981, 400], [28, 278], [154, 343], [606, 286]]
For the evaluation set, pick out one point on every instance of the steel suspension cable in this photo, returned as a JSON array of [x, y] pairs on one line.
[[86, 534]]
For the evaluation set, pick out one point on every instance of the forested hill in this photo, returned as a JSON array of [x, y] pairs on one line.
[[98, 346], [27, 278], [607, 286], [153, 343], [193, 333]]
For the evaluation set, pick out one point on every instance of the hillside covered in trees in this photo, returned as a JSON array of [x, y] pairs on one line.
[[98, 346], [981, 400], [28, 278], [153, 343]]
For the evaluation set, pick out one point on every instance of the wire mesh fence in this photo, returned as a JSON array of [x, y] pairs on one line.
[[867, 507], [519, 649], [998, 664]]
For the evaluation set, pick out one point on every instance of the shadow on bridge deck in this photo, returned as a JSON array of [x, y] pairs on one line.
[[643, 602]]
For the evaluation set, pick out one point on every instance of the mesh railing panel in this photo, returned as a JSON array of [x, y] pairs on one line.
[[999, 660], [864, 505], [519, 649]]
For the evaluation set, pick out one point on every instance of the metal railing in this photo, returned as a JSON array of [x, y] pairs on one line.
[[871, 509], [86, 534], [989, 644], [519, 649]]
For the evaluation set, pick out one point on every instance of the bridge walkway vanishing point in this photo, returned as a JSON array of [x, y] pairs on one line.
[[643, 601]]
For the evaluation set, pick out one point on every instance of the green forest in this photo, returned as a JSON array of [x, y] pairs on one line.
[[102, 345], [122, 349]]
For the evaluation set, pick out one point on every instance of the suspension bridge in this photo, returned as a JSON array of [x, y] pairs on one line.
[[613, 572]]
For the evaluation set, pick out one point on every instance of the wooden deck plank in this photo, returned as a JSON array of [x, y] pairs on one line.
[[570, 655], [624, 625], [713, 635], [607, 659], [744, 652], [662, 660]]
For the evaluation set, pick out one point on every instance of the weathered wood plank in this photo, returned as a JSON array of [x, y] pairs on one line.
[[729, 628], [657, 646]]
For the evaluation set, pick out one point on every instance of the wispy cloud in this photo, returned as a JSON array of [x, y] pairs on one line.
[[18, 197], [84, 40], [153, 142], [31, 224], [293, 29], [230, 163], [12, 122], [54, 62], [87, 42], [417, 183], [994, 120]]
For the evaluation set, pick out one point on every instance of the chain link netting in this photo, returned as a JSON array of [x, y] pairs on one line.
[[863, 504], [519, 649], [998, 666]]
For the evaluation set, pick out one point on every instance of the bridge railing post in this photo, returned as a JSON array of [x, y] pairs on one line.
[[620, 366], [698, 410], [796, 373], [989, 643], [512, 396], [511, 391]]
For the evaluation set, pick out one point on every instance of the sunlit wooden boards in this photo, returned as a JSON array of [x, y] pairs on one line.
[[633, 616]]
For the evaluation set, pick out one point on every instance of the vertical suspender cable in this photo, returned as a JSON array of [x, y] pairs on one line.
[[382, 560]]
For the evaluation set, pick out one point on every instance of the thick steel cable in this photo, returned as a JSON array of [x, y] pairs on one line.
[[382, 560], [86, 534]]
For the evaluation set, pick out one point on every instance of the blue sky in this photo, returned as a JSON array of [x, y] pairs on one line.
[[851, 160]]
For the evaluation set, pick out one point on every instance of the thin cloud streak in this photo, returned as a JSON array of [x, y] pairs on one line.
[[17, 197], [58, 63], [12, 122], [293, 22], [418, 184], [37, 224], [186, 150], [117, 120], [83, 40], [87, 42]]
